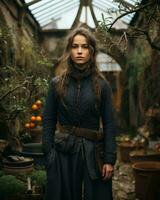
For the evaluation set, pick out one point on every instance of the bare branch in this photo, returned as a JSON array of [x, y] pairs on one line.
[[148, 38], [138, 8], [123, 38], [12, 90]]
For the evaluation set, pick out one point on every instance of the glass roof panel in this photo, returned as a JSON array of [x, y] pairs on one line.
[[61, 13], [64, 22], [57, 11]]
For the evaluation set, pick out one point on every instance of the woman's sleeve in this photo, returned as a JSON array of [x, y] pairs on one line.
[[49, 118], [108, 122]]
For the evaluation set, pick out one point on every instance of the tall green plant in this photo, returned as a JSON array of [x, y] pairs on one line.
[[11, 186]]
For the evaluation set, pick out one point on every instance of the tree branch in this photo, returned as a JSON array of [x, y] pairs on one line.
[[12, 90], [148, 38], [138, 8]]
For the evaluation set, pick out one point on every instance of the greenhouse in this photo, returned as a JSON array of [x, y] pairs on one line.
[[80, 99]]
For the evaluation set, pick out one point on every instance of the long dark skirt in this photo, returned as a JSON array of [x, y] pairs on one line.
[[65, 175]]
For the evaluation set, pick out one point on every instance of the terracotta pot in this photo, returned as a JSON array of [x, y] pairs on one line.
[[147, 180], [36, 134], [34, 150], [15, 170], [21, 163], [124, 150], [142, 155]]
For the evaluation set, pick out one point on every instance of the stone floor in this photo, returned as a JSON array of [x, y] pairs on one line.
[[123, 182]]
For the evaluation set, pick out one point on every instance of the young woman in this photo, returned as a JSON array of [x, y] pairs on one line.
[[78, 101]]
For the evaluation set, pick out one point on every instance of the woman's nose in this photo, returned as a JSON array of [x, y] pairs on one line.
[[79, 49]]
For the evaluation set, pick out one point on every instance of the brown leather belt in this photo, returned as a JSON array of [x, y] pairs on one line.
[[82, 132]]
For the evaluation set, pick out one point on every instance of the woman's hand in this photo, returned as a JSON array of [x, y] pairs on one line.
[[107, 171]]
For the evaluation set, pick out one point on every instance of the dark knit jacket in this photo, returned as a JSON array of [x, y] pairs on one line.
[[79, 108]]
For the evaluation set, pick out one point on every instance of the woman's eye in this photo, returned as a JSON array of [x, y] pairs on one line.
[[86, 46], [74, 46]]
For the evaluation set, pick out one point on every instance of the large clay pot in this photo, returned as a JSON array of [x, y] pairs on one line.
[[144, 155], [124, 150], [147, 180], [36, 134], [22, 165], [34, 150], [16, 170]]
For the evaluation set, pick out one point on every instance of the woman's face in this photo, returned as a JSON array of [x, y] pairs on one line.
[[80, 50]]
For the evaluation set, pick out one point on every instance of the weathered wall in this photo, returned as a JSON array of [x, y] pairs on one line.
[[23, 26], [20, 23]]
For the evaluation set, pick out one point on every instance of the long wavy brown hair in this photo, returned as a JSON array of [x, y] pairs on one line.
[[65, 60]]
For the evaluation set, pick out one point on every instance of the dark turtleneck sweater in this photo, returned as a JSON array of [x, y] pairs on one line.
[[79, 71]]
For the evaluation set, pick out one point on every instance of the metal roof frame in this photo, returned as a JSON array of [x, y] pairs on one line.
[[40, 4], [46, 10]]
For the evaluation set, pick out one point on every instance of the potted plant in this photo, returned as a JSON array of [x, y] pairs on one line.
[[11, 187], [39, 180], [126, 144], [34, 125]]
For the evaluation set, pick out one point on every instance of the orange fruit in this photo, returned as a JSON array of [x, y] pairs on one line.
[[38, 103], [33, 118], [39, 118], [32, 125], [27, 125], [34, 107]]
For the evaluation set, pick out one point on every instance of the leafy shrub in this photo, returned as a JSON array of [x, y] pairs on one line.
[[39, 180], [10, 185]]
